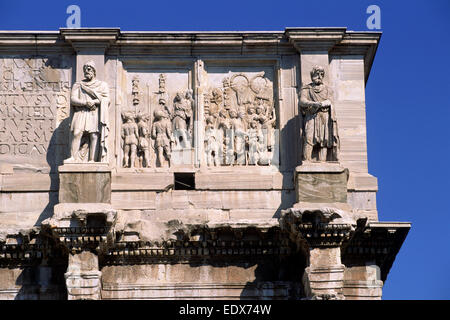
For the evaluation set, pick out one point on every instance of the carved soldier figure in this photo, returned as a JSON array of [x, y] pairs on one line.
[[212, 144], [189, 107], [251, 114], [266, 123], [130, 138], [239, 134], [319, 117], [224, 125], [240, 84], [90, 102], [182, 118], [144, 134], [167, 110], [162, 133], [255, 141], [215, 101]]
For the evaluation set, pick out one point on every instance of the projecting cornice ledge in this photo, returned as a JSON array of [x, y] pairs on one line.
[[336, 41], [90, 38], [376, 241], [314, 39]]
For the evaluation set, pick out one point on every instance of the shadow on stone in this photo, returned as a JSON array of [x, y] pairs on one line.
[[44, 280], [57, 152], [276, 278]]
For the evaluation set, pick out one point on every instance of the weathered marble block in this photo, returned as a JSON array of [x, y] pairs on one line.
[[85, 183], [321, 183], [83, 279]]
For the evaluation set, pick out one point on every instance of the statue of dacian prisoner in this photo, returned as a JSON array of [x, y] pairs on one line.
[[321, 131], [90, 101]]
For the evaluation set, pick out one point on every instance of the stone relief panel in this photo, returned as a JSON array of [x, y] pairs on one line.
[[240, 117], [34, 109], [157, 120]]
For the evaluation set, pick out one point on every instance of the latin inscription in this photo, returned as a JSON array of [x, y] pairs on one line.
[[34, 99]]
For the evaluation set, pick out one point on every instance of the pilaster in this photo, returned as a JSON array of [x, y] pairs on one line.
[[84, 232], [90, 44], [320, 221], [368, 256], [319, 232], [82, 222], [83, 279], [313, 46]]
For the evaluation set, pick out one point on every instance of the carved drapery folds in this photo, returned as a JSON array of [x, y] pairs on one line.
[[239, 121], [320, 134], [90, 125]]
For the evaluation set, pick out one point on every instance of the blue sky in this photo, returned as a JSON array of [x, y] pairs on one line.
[[407, 100]]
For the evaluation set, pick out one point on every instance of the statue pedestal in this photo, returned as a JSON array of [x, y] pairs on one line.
[[321, 182], [84, 183], [82, 222]]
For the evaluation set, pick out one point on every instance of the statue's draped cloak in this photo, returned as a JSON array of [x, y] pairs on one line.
[[91, 121], [320, 126]]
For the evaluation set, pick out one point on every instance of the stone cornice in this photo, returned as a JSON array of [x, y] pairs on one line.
[[336, 41], [204, 43], [375, 241], [199, 38], [92, 39], [21, 37], [317, 226], [22, 249], [314, 39], [301, 37], [35, 42], [360, 43], [187, 251], [370, 241], [90, 34]]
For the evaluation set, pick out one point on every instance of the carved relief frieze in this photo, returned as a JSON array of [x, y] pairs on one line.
[[240, 119], [157, 121]]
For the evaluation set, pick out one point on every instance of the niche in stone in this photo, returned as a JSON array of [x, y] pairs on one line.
[[184, 181]]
